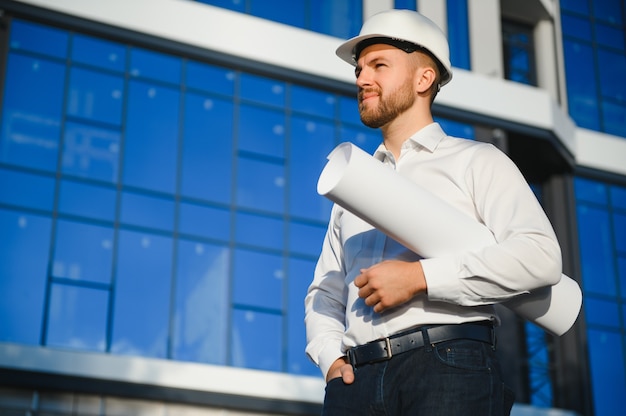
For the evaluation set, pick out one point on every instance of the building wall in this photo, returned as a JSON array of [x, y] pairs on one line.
[[279, 63]]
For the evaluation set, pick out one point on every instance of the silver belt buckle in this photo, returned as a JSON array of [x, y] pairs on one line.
[[388, 349]]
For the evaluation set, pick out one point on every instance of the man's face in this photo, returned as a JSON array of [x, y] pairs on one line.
[[385, 84]]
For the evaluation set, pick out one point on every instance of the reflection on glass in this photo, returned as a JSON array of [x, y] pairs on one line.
[[202, 303], [207, 151], [31, 128], [91, 152], [151, 143], [142, 295], [147, 211], [77, 318], [86, 200], [258, 279], [83, 252], [99, 53], [24, 250], [95, 96], [262, 131], [253, 337], [260, 185], [26, 190]]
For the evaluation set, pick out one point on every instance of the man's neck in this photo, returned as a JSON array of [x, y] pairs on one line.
[[404, 126]]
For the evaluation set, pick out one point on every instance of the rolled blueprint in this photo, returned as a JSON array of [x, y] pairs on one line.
[[431, 227]]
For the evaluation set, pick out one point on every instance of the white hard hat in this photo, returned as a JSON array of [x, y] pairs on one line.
[[405, 29]]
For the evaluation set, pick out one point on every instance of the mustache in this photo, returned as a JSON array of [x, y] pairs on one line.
[[363, 91]]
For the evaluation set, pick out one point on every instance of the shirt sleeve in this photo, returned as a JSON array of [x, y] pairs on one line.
[[325, 302], [526, 254]]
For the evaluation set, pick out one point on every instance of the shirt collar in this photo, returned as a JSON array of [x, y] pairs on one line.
[[427, 138]]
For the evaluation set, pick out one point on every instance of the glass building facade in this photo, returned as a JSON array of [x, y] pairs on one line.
[[157, 200]]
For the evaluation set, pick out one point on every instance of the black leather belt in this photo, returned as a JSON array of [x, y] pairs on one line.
[[385, 348]]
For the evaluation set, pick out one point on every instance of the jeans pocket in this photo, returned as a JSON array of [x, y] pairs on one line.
[[464, 354]]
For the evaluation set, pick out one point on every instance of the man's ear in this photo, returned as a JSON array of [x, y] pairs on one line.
[[425, 78]]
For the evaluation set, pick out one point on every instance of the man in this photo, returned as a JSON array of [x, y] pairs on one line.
[[395, 333]]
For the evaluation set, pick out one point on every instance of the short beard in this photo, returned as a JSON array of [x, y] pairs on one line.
[[388, 108]]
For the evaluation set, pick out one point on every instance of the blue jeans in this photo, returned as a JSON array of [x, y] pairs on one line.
[[454, 378]]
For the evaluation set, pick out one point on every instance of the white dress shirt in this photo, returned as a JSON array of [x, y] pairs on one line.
[[477, 179]]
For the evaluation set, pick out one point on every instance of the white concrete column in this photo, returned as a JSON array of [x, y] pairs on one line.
[[371, 7], [435, 10], [485, 33], [545, 58]]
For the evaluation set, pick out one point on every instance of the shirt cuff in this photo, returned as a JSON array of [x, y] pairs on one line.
[[331, 352], [442, 279]]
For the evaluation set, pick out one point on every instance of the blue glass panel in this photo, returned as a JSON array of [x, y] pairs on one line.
[[313, 102], [202, 303], [262, 131], [576, 27], [311, 143], [207, 149], [237, 5], [147, 211], [611, 67], [405, 4], [619, 228], [288, 12], [306, 238], [609, 10], [596, 250], [365, 138], [610, 36], [457, 129], [77, 318], [613, 116], [458, 33], [300, 276], [349, 110], [590, 191], [607, 371], [83, 252], [99, 53], [86, 200], [142, 295], [151, 144], [582, 94], [31, 128], [263, 90], [26, 190], [204, 221], [38, 38], [338, 18], [259, 231], [579, 6], [210, 78], [602, 312], [256, 340], [618, 196], [260, 185], [155, 65], [621, 271], [95, 96], [24, 250], [258, 279], [91, 152]]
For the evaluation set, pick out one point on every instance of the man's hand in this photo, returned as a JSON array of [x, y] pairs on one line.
[[390, 283], [341, 368]]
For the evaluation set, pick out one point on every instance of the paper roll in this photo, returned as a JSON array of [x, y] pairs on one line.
[[431, 227]]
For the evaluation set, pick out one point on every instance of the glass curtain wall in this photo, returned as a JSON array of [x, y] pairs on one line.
[[158, 206], [601, 215]]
